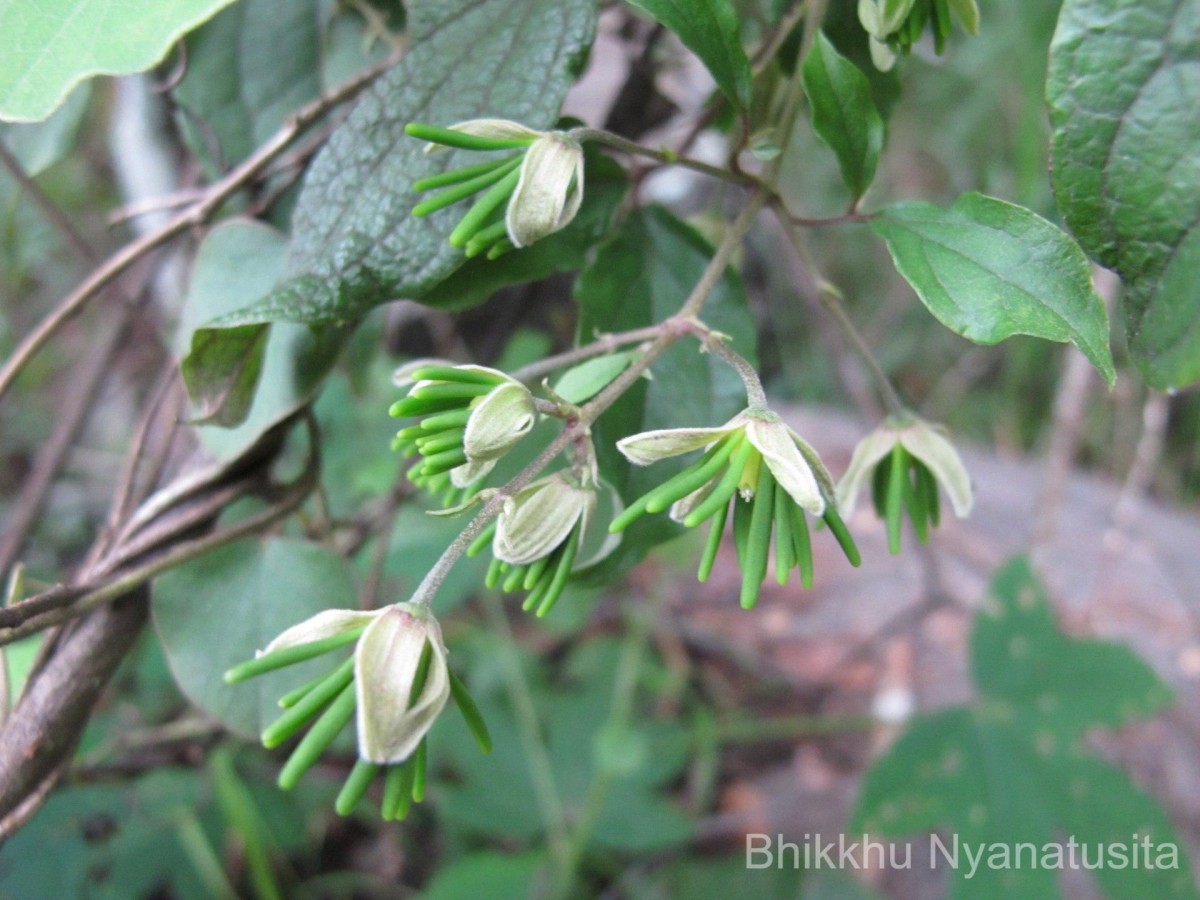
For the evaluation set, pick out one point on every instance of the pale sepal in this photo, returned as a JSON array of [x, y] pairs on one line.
[[385, 666], [326, 624], [539, 518], [549, 190]]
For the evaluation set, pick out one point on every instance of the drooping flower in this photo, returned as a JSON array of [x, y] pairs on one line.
[[470, 417], [906, 460], [769, 475], [545, 532], [894, 26], [540, 186], [395, 685]]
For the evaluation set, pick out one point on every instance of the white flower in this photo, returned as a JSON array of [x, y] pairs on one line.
[[549, 191], [390, 721], [497, 419], [535, 522], [793, 463], [926, 444]]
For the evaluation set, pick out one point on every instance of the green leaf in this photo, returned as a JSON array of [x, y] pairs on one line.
[[236, 264], [843, 113], [108, 841], [39, 145], [491, 794], [355, 243], [1061, 685], [563, 251], [584, 381], [989, 270], [216, 611], [638, 279], [234, 96], [498, 876], [1124, 89], [710, 29], [48, 47], [1004, 771]]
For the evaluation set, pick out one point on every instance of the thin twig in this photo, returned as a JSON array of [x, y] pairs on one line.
[[666, 157], [48, 207], [669, 331], [603, 344], [214, 197]]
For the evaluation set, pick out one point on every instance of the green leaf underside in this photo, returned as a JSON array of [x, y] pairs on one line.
[[49, 46], [988, 270], [265, 587], [843, 113], [236, 264], [637, 279], [709, 28], [1008, 770], [1126, 151]]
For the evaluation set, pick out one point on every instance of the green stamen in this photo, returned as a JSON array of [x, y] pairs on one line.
[[419, 764], [724, 489], [895, 497], [448, 137], [450, 391], [716, 531], [288, 656], [483, 540], [317, 699], [464, 190], [355, 787], [444, 421], [470, 713], [802, 546], [570, 548], [484, 207], [320, 736], [451, 373], [785, 551], [459, 175], [758, 538], [839, 530]]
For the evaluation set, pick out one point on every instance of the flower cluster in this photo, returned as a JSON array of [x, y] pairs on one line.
[[540, 186], [395, 685], [895, 25], [763, 470], [470, 416], [906, 459]]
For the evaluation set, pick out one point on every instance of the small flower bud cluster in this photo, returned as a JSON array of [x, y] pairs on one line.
[[470, 416], [524, 195], [395, 685], [895, 25]]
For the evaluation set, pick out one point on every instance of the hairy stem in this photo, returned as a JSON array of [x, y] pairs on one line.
[[666, 157]]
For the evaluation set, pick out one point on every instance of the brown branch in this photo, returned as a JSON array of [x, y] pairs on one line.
[[214, 197], [48, 207], [46, 725]]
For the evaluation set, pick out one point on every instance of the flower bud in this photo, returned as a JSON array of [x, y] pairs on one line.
[[906, 460], [402, 682], [550, 189]]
